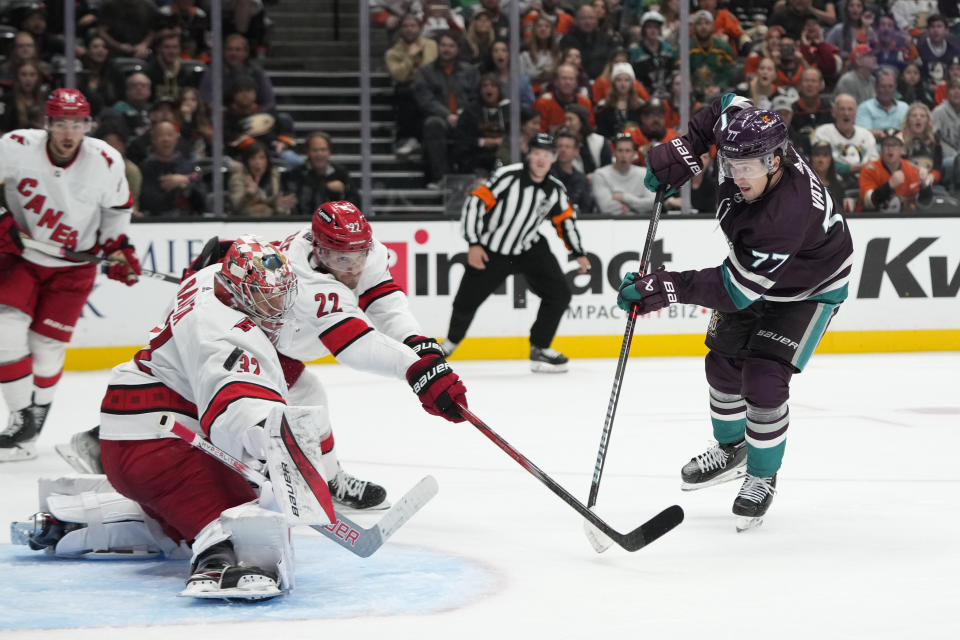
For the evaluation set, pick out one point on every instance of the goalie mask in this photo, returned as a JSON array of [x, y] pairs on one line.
[[748, 144], [260, 281], [342, 237]]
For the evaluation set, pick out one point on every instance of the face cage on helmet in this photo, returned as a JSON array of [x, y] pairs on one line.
[[80, 124], [749, 168], [351, 262], [266, 305]]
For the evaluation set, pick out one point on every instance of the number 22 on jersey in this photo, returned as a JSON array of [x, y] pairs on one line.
[[323, 299]]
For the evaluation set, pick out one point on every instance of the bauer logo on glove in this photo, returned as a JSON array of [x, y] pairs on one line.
[[648, 293]]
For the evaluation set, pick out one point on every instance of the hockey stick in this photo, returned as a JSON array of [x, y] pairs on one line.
[[636, 539], [62, 252], [599, 542], [345, 532]]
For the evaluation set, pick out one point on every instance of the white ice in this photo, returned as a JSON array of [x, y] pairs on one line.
[[861, 541]]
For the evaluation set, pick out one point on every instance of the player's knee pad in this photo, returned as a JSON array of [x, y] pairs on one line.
[[48, 354], [766, 383], [260, 538], [723, 374], [109, 523], [14, 327]]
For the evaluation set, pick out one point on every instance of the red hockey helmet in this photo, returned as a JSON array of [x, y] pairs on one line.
[[342, 237], [67, 103], [261, 282]]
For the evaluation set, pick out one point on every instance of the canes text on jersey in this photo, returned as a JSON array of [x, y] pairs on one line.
[[62, 233]]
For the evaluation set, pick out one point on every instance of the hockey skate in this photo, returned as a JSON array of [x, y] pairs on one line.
[[17, 441], [754, 499], [216, 575], [83, 451], [719, 463], [547, 360], [352, 495]]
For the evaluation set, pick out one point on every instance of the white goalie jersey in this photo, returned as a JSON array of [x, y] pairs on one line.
[[79, 206], [208, 363], [331, 318]]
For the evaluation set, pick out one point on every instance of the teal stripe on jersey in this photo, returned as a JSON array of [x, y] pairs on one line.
[[810, 339], [741, 301], [834, 297]]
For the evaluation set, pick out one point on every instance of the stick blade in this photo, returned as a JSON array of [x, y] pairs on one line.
[[652, 529], [598, 539]]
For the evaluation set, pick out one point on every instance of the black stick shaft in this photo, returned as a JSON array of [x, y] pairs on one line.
[[63, 252], [624, 351]]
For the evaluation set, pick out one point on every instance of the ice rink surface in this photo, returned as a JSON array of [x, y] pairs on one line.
[[862, 541]]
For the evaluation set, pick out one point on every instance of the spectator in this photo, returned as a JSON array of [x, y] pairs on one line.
[[761, 89], [820, 54], [236, 67], [618, 187], [852, 146], [551, 105], [579, 192], [23, 106], [540, 53], [244, 121], [479, 37], [389, 13], [171, 185], [319, 180], [725, 26], [883, 114], [196, 129], [97, 81], [191, 23], [501, 23], [481, 129], [712, 63], [821, 160], [498, 63], [114, 138], [24, 49], [167, 73], [573, 57], [594, 149], [549, 9], [946, 122], [769, 48], [670, 10], [784, 106], [594, 45], [163, 110], [529, 126], [936, 51], [409, 53], [255, 187], [672, 104], [789, 66], [892, 184], [853, 30], [621, 105], [248, 19], [34, 22], [921, 143], [859, 81], [793, 15], [906, 12], [127, 26], [440, 18], [811, 109], [133, 112], [652, 130], [443, 89], [608, 20], [652, 58], [891, 47], [601, 87], [940, 92], [912, 88]]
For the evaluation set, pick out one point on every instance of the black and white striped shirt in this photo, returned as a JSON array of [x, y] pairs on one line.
[[504, 214]]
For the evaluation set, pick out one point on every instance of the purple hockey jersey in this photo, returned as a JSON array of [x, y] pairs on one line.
[[791, 244]]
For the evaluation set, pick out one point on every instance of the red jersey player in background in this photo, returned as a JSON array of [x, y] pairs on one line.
[[61, 188]]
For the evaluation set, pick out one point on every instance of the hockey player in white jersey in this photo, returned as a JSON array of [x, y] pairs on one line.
[[61, 188], [212, 363]]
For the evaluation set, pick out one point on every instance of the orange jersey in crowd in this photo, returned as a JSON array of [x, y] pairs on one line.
[[643, 143], [551, 112], [601, 87], [562, 25], [874, 175]]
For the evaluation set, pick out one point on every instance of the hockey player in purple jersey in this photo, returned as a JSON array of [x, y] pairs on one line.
[[773, 296]]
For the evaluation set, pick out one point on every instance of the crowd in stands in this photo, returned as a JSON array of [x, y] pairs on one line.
[[143, 66], [870, 89]]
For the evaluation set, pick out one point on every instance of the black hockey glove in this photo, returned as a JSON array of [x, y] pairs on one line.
[[423, 346]]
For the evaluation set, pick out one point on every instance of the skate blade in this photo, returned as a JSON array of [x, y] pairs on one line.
[[234, 595], [598, 540], [733, 474], [745, 523], [20, 532], [18, 453], [546, 367], [72, 458]]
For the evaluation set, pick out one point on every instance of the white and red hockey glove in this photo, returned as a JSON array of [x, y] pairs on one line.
[[439, 388], [10, 241], [423, 346], [125, 267]]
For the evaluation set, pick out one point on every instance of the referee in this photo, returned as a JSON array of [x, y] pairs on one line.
[[500, 222]]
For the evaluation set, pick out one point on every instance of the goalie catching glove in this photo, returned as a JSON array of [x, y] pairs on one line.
[[438, 387], [649, 293], [125, 267]]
